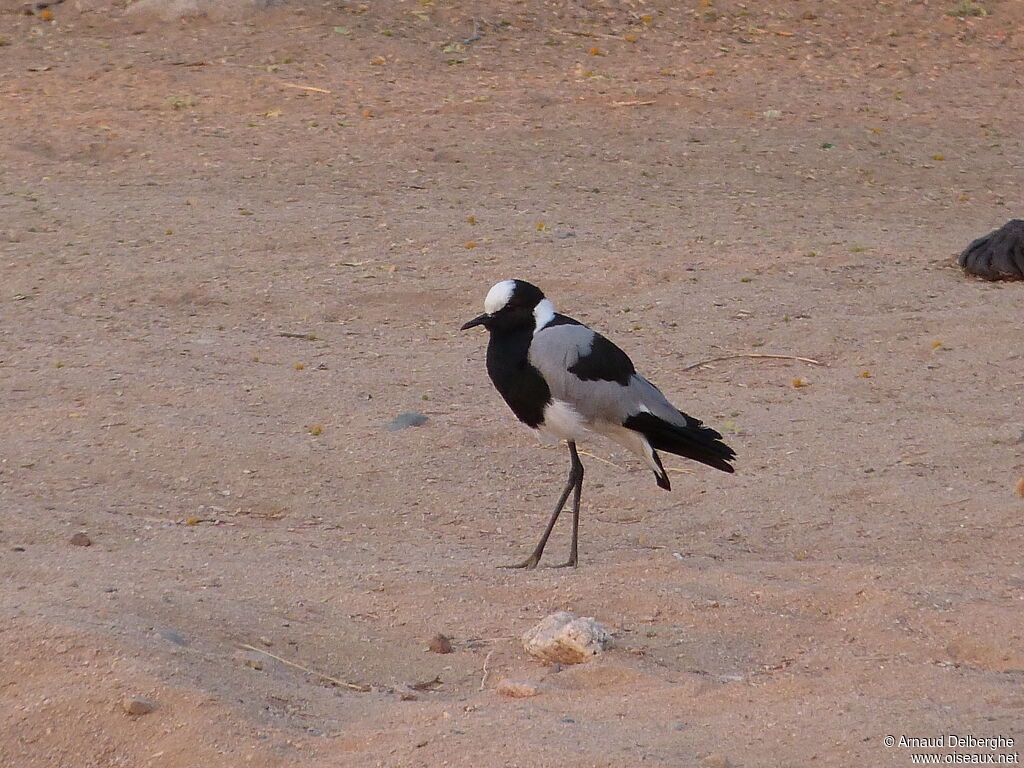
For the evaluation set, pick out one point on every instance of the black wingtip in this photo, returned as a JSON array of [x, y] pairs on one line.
[[660, 475], [694, 441]]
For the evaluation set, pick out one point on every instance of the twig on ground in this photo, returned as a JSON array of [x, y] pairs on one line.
[[483, 680], [958, 501], [619, 466], [632, 103], [490, 639], [580, 33], [605, 461], [353, 686], [305, 87], [477, 34], [306, 336], [612, 463], [757, 355]]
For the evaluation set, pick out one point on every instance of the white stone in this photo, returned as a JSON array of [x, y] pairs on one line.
[[564, 639]]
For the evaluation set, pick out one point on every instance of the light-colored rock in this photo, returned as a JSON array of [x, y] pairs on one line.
[[715, 761], [517, 689], [172, 10], [139, 705], [564, 639]]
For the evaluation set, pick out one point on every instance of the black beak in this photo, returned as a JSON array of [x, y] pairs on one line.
[[476, 321]]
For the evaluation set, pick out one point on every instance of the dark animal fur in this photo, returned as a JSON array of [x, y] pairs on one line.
[[999, 255]]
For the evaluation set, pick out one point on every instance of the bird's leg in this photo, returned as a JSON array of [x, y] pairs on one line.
[[531, 562], [575, 481], [576, 478]]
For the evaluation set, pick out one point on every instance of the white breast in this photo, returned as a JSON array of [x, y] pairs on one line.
[[562, 422]]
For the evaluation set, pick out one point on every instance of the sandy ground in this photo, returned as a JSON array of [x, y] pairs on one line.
[[693, 179]]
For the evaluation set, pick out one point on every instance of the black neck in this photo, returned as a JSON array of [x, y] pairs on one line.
[[518, 382]]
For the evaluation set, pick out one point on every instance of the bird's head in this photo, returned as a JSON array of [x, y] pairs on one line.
[[513, 304]]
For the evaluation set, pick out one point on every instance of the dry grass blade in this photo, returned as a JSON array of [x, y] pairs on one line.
[[305, 88], [680, 470], [558, 446], [632, 103], [755, 355], [487, 659], [580, 33], [603, 461], [343, 683]]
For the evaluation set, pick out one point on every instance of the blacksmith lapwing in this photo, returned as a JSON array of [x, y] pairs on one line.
[[565, 381]]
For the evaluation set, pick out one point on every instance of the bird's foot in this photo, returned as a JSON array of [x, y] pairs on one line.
[[572, 562], [528, 564]]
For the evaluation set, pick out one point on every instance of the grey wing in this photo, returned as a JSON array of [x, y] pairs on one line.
[[585, 370]]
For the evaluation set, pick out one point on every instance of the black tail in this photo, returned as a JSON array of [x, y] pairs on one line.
[[694, 441]]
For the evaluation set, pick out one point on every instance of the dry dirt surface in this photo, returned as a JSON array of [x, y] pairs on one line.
[[234, 247]]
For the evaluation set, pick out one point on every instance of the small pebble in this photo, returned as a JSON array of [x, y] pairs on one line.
[[440, 644], [715, 761], [139, 705], [17, 549], [517, 689], [81, 540]]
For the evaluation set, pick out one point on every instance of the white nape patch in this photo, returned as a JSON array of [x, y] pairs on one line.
[[543, 313], [499, 296], [562, 422]]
